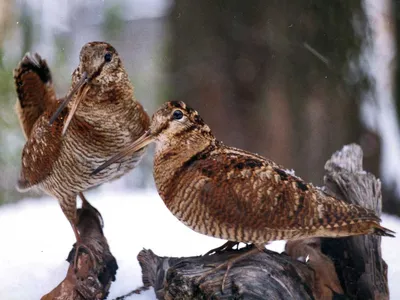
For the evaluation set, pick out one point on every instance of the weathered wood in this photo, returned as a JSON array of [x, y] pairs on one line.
[[88, 281], [266, 275], [357, 260]]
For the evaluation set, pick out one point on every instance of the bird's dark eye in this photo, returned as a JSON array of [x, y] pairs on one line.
[[108, 57], [177, 114]]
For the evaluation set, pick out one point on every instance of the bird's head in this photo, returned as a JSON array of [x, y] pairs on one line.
[[100, 67], [172, 124]]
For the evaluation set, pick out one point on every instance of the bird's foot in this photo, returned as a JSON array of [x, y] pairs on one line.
[[227, 246], [228, 265]]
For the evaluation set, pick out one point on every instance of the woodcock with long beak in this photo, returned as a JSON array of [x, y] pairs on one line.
[[236, 195], [100, 103]]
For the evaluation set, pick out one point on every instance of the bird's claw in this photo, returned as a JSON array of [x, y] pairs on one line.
[[225, 247]]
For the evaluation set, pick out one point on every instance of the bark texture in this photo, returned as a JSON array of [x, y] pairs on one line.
[[358, 260]]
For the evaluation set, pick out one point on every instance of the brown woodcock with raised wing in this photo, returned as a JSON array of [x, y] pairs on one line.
[[236, 195], [100, 113]]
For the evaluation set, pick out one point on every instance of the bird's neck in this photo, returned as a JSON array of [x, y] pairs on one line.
[[124, 117], [172, 154], [103, 104]]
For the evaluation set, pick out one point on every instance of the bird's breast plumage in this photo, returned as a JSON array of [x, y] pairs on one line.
[[87, 144]]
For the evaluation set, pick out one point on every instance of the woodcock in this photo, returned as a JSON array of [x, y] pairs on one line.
[[100, 104], [236, 195]]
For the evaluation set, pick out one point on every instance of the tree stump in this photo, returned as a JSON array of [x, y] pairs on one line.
[[358, 260], [316, 268], [88, 281]]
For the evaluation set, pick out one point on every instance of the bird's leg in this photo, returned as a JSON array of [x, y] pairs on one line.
[[229, 263], [68, 206], [227, 246]]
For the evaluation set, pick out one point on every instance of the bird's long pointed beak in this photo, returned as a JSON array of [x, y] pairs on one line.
[[137, 145], [81, 95], [81, 83]]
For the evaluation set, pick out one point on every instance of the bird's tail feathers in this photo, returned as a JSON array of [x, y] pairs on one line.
[[382, 231], [33, 63]]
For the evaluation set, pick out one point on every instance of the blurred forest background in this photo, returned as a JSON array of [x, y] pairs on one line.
[[290, 80]]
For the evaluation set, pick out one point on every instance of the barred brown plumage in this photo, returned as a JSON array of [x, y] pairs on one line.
[[100, 103]]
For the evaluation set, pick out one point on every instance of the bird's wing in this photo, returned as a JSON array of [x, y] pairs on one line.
[[41, 150], [246, 191], [35, 90], [35, 105]]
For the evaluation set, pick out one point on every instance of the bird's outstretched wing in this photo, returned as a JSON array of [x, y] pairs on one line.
[[35, 90], [35, 105], [248, 198]]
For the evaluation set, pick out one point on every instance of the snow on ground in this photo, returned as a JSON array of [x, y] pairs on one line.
[[36, 239]]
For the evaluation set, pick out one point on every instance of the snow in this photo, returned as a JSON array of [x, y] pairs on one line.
[[38, 239]]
